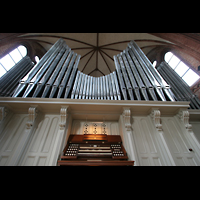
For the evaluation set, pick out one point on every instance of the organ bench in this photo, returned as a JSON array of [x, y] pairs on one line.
[[94, 150]]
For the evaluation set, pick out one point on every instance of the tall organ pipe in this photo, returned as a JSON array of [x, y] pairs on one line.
[[35, 69]]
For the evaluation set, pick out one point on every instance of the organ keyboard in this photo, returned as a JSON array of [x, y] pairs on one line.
[[94, 150]]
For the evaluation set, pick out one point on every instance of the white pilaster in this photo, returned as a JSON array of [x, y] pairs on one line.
[[60, 136], [3, 113], [32, 113], [156, 116], [126, 116], [184, 115]]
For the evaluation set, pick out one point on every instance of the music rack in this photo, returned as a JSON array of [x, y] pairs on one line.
[[94, 150]]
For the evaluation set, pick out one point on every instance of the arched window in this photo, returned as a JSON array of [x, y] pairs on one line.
[[187, 74], [9, 60]]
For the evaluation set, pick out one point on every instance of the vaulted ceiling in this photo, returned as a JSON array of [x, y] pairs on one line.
[[97, 49]]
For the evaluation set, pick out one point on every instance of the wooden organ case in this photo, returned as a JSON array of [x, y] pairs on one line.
[[94, 150]]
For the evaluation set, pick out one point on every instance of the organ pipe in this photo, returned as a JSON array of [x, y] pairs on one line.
[[179, 87], [10, 80], [56, 75]]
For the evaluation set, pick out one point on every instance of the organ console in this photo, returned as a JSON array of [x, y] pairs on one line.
[[94, 150]]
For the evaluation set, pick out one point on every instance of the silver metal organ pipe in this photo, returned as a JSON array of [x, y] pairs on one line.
[[131, 77], [101, 84], [104, 86], [117, 86], [48, 73], [98, 88], [176, 88], [152, 79], [85, 87], [107, 88], [72, 77], [82, 85], [34, 70], [122, 85], [126, 80], [179, 96], [57, 74], [88, 87], [41, 71], [150, 66], [137, 76], [143, 76], [110, 86], [113, 86], [93, 87], [61, 68], [90, 90], [182, 91], [66, 58], [66, 76], [155, 73], [75, 85], [78, 86], [10, 80]]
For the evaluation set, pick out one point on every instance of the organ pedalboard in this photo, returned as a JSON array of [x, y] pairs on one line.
[[94, 150]]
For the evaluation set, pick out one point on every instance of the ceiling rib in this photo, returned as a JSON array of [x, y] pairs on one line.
[[86, 54], [105, 61], [107, 55], [55, 36], [87, 61]]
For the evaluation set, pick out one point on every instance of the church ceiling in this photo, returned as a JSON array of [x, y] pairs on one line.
[[97, 49]]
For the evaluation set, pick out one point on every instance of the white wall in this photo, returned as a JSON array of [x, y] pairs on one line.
[[39, 147], [146, 143]]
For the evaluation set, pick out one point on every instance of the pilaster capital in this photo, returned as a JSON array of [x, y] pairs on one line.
[[155, 114], [63, 117], [127, 117], [184, 115], [32, 113]]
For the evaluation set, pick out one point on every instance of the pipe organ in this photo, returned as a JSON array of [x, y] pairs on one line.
[[100, 127], [9, 81], [179, 87], [56, 75]]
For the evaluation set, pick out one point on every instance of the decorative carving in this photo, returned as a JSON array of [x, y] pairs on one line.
[[86, 129], [155, 114], [3, 113], [103, 128], [184, 116], [127, 117], [95, 129], [32, 112], [63, 117]]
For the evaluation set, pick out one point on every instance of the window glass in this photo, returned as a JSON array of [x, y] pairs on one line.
[[2, 71], [190, 77], [23, 50], [168, 56], [187, 74], [181, 69], [9, 60], [16, 55], [174, 62]]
